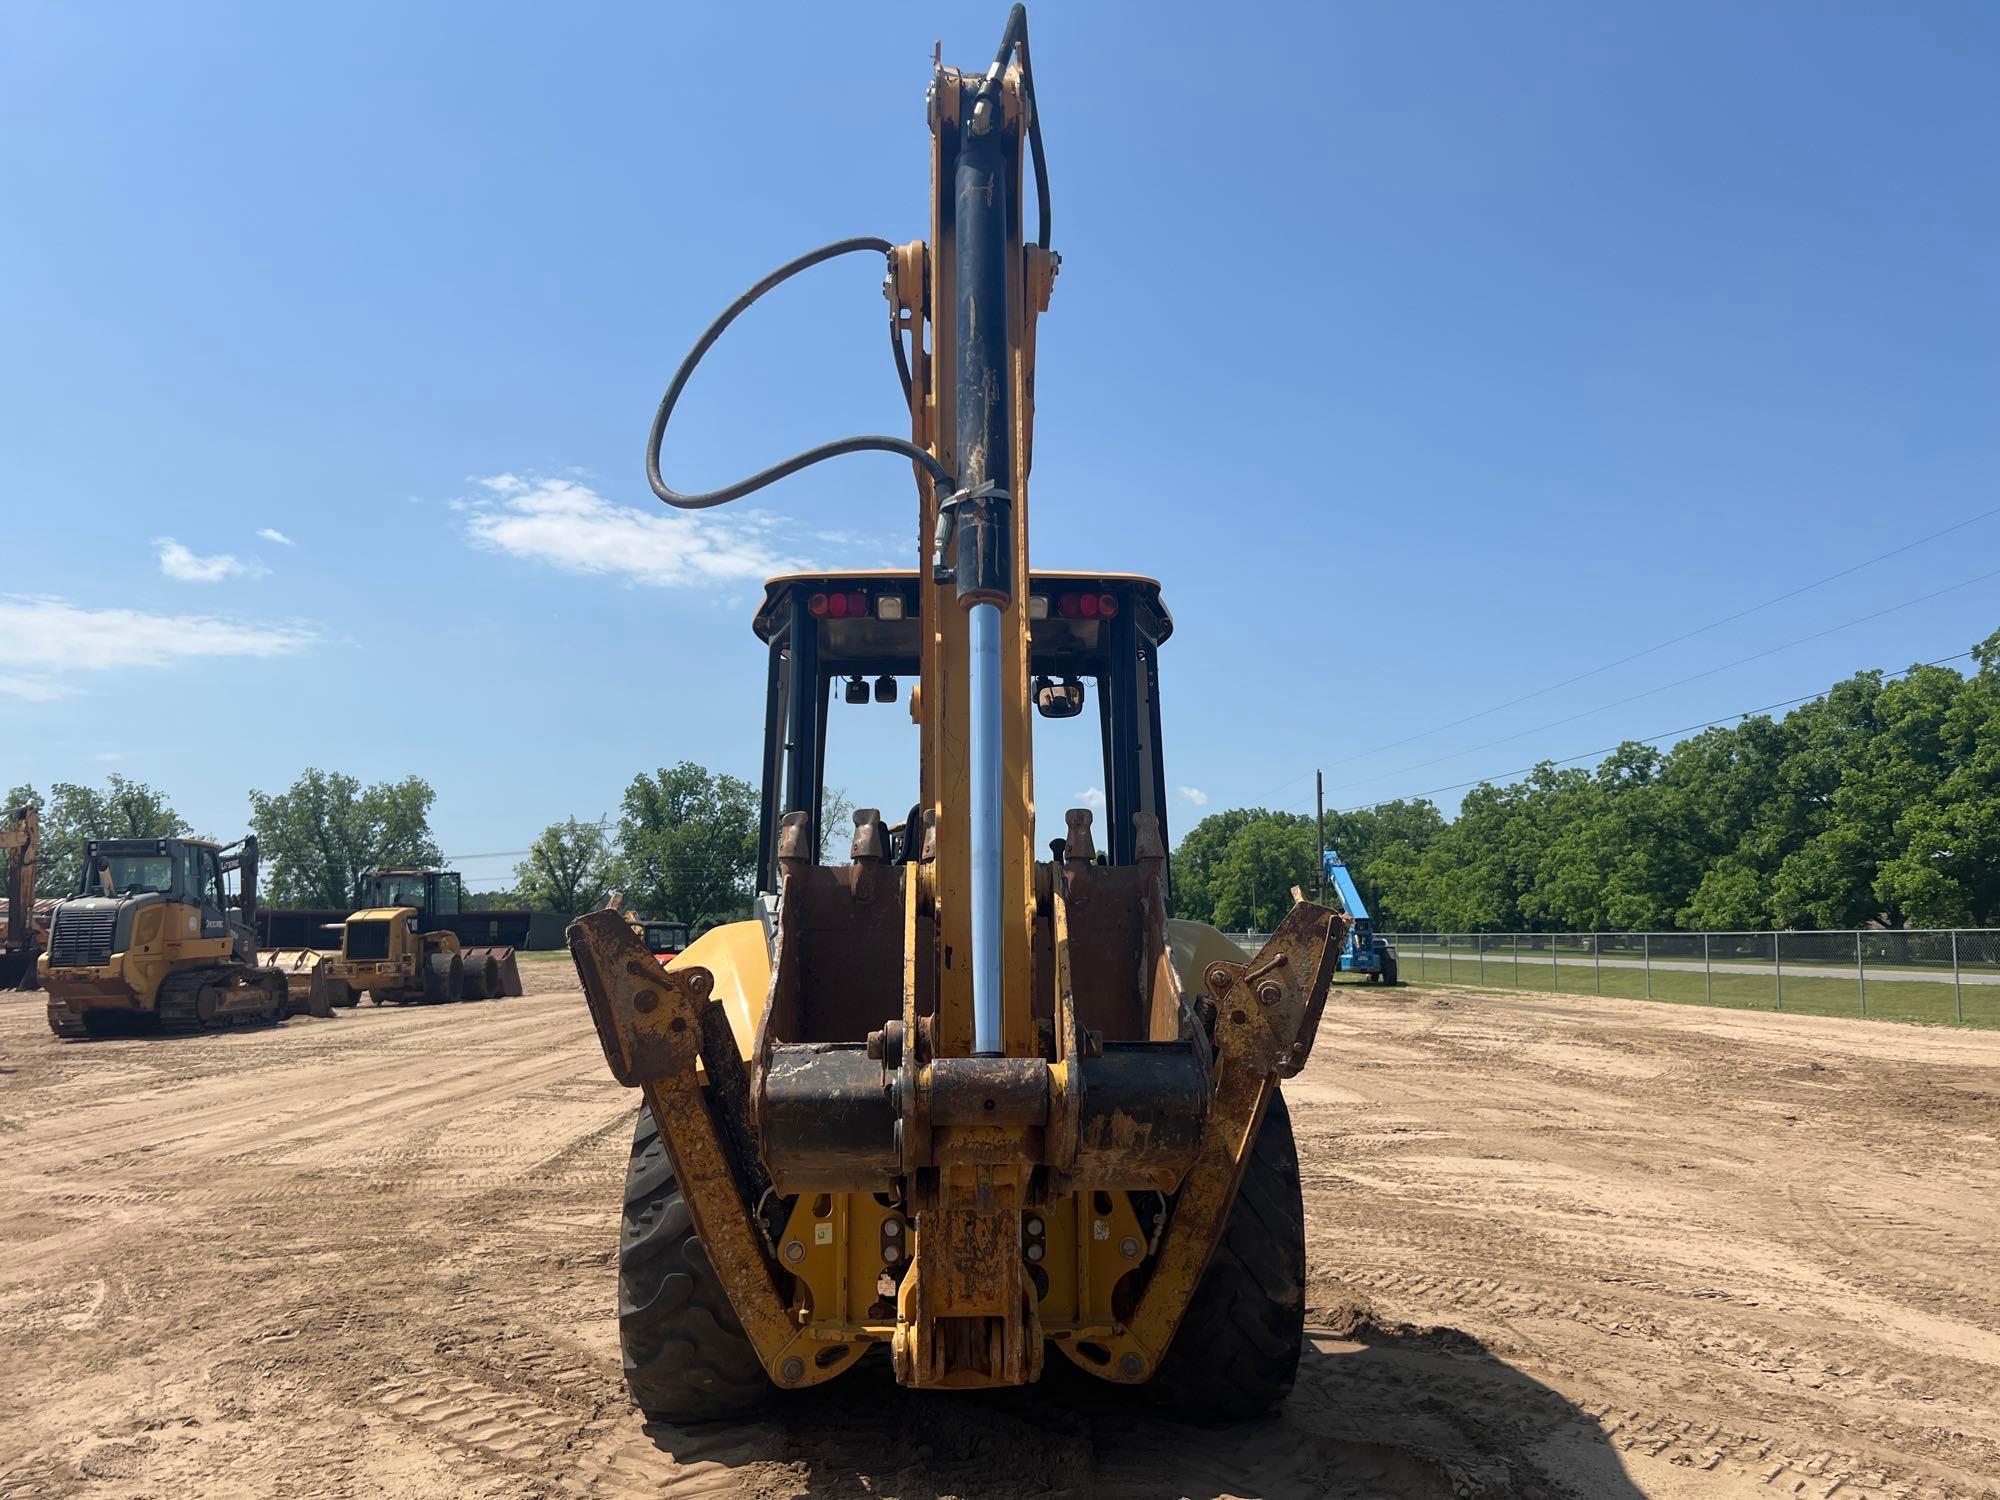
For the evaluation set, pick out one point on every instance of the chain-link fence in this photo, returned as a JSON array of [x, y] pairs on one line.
[[1950, 975]]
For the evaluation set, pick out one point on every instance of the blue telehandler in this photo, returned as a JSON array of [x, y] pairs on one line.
[[1365, 953]]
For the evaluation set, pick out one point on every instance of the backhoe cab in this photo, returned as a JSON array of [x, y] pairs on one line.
[[153, 935], [948, 1097]]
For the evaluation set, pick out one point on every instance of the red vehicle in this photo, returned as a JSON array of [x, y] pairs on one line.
[[664, 939]]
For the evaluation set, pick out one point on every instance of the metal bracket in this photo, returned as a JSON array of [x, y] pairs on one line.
[[654, 1024], [1267, 1011]]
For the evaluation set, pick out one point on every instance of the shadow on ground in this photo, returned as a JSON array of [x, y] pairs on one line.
[[1378, 1411]]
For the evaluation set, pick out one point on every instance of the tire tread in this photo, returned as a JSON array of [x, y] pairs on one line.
[[1236, 1352], [686, 1356]]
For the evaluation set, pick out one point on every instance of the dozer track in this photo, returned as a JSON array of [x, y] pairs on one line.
[[63, 1024], [179, 1003]]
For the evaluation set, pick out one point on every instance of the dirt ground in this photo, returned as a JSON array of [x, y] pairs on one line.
[[1558, 1247]]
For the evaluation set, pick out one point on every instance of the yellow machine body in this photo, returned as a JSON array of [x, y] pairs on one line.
[[396, 952], [949, 1097], [169, 943], [166, 938]]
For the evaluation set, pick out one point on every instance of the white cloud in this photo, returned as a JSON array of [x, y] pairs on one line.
[[1193, 794], [34, 689], [272, 534], [570, 526], [178, 562], [47, 637], [1090, 796]]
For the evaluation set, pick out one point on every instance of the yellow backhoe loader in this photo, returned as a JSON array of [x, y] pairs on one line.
[[22, 934], [948, 1098], [398, 949], [152, 937]]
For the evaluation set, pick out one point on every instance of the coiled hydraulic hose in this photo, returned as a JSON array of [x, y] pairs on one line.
[[1013, 41], [876, 443]]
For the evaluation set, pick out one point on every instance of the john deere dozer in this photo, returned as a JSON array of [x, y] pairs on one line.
[[949, 1098], [152, 937]]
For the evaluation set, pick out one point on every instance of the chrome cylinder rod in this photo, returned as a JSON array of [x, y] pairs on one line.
[[988, 789]]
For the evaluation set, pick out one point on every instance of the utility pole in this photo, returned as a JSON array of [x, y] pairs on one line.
[[1319, 824]]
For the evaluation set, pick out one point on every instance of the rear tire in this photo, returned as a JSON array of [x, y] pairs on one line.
[[687, 1358], [1389, 969], [1237, 1349], [444, 978]]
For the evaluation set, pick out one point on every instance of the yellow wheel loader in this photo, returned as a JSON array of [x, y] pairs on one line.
[[397, 948], [152, 938], [949, 1098]]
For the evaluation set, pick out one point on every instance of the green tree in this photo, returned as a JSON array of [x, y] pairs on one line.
[[123, 809], [688, 844], [318, 837], [1266, 858], [567, 871], [1878, 802], [1197, 861], [836, 819]]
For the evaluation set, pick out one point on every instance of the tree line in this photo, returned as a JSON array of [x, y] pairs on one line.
[[684, 844], [1876, 803]]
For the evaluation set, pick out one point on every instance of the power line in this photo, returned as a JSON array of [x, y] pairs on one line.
[[1648, 739], [1683, 681], [1674, 641]]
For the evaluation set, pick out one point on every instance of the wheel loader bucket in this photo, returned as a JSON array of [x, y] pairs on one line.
[[494, 970]]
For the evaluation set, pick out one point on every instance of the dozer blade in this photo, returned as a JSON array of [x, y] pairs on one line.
[[310, 990]]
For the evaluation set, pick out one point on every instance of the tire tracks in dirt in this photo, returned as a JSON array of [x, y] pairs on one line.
[[1582, 1249]]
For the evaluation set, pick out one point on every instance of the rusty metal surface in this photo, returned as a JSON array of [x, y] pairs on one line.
[[987, 1090], [827, 1121], [1143, 1109]]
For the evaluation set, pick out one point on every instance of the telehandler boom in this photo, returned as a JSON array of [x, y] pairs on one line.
[[947, 1097]]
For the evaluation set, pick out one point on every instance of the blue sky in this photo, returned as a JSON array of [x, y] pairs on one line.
[[1429, 354]]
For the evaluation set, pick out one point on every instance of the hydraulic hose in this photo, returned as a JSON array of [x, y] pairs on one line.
[[860, 444], [1013, 42]]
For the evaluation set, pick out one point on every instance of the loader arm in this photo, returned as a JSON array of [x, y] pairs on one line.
[[970, 1070]]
